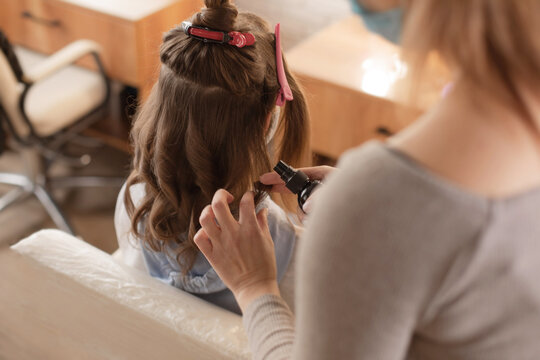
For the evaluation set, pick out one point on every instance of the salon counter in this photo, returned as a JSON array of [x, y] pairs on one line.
[[354, 83]]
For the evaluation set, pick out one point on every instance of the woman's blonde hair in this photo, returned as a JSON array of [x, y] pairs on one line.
[[494, 44], [203, 128]]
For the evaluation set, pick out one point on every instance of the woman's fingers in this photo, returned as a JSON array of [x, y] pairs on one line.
[[271, 178], [204, 243], [220, 207], [242, 253], [262, 219], [278, 185], [247, 209], [318, 172], [208, 223], [248, 217], [281, 188]]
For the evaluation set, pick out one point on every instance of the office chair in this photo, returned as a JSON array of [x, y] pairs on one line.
[[44, 106]]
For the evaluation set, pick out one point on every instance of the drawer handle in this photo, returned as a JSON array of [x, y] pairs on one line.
[[382, 130], [46, 22]]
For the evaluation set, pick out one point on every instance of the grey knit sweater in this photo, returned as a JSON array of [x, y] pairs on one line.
[[398, 263]]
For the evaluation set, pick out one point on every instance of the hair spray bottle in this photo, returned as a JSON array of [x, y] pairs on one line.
[[297, 182]]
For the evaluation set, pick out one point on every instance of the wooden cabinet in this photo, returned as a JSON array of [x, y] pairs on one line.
[[343, 118], [350, 77], [130, 32]]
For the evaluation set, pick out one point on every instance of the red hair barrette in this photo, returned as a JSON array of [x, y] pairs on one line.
[[207, 35]]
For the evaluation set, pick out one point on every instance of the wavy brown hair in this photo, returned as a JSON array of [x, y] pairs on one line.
[[203, 128]]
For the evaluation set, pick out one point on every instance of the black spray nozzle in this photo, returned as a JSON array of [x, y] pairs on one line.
[[294, 180]]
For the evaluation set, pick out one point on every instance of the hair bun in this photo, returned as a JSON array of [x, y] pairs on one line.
[[218, 15]]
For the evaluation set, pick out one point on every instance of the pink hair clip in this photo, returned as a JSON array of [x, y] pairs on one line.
[[285, 92], [241, 39]]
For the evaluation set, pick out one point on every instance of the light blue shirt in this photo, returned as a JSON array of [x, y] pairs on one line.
[[202, 279], [385, 23]]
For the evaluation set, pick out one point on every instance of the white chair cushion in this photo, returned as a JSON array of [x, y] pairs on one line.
[[211, 332], [62, 98]]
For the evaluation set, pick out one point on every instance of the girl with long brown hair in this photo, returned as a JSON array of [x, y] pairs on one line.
[[224, 108]]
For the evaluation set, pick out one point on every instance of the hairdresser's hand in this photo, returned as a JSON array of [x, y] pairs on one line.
[[278, 185], [241, 252], [314, 173]]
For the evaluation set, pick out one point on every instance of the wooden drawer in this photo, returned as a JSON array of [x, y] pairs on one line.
[[48, 25], [343, 118], [351, 78], [130, 46]]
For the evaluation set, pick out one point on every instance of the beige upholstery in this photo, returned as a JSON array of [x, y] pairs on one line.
[[64, 299], [61, 94], [10, 91]]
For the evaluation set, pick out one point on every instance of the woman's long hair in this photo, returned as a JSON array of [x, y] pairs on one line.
[[494, 44], [203, 128]]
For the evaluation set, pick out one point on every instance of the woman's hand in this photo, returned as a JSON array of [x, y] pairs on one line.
[[278, 185], [314, 173], [241, 252]]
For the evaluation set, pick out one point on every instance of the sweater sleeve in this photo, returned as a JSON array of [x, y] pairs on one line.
[[270, 327]]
